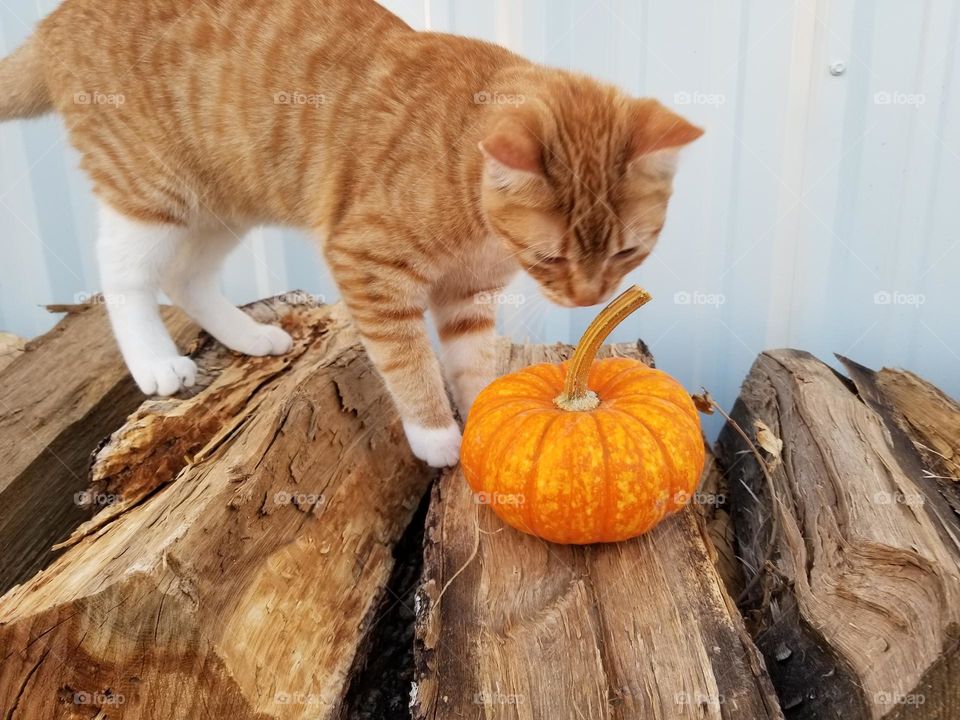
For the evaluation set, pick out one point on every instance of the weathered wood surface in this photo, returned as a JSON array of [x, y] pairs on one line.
[[11, 347], [512, 627], [858, 608], [165, 435], [244, 587], [713, 503], [58, 399], [932, 421]]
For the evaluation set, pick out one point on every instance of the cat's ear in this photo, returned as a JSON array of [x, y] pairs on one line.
[[658, 133], [513, 153]]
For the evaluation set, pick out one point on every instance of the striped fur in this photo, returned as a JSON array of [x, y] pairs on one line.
[[430, 167]]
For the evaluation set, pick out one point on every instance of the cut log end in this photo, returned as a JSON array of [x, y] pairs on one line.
[[857, 608]]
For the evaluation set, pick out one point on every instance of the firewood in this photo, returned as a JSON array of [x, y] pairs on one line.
[[11, 347], [58, 400], [241, 576], [512, 627], [930, 418], [858, 604]]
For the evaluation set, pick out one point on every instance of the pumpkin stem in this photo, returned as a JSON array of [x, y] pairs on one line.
[[576, 395]]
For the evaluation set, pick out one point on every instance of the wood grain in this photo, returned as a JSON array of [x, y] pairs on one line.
[[67, 391], [165, 435], [245, 586], [11, 347], [930, 417], [512, 627], [858, 609]]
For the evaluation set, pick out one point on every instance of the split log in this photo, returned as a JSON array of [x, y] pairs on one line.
[[713, 503], [931, 419], [512, 627], [858, 605], [164, 436], [11, 347], [246, 585], [58, 399]]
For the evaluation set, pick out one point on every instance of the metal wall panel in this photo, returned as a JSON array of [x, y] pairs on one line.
[[821, 211]]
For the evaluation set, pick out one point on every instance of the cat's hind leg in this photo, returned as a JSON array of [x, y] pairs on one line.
[[193, 285], [133, 257]]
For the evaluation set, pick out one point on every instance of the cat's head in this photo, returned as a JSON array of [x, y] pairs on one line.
[[577, 182]]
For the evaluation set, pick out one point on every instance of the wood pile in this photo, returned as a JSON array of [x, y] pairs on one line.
[[268, 548]]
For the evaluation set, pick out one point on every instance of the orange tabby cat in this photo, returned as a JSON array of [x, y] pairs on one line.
[[430, 168]]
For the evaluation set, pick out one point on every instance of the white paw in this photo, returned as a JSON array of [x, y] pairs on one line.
[[264, 340], [164, 377], [438, 447]]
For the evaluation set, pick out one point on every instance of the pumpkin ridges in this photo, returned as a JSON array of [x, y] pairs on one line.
[[641, 376], [529, 489], [644, 477], [657, 385], [483, 472], [600, 384], [678, 459], [511, 480], [647, 400], [603, 529], [551, 375], [489, 408], [563, 493], [668, 458]]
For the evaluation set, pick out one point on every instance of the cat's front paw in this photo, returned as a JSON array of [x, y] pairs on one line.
[[264, 340], [438, 447], [165, 376]]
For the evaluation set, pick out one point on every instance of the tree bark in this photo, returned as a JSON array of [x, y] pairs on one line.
[[857, 606], [241, 580], [512, 627]]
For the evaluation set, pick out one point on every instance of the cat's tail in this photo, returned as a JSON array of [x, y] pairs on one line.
[[23, 87]]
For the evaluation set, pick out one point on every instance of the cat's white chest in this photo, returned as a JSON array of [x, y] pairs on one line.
[[493, 262]]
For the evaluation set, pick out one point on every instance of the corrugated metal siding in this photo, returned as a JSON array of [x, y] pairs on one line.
[[821, 211]]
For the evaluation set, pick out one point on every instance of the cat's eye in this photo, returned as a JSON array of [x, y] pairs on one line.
[[553, 261], [626, 254]]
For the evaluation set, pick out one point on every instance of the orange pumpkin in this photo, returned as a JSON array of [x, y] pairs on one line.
[[585, 452]]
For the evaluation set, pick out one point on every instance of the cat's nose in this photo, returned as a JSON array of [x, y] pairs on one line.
[[589, 297]]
